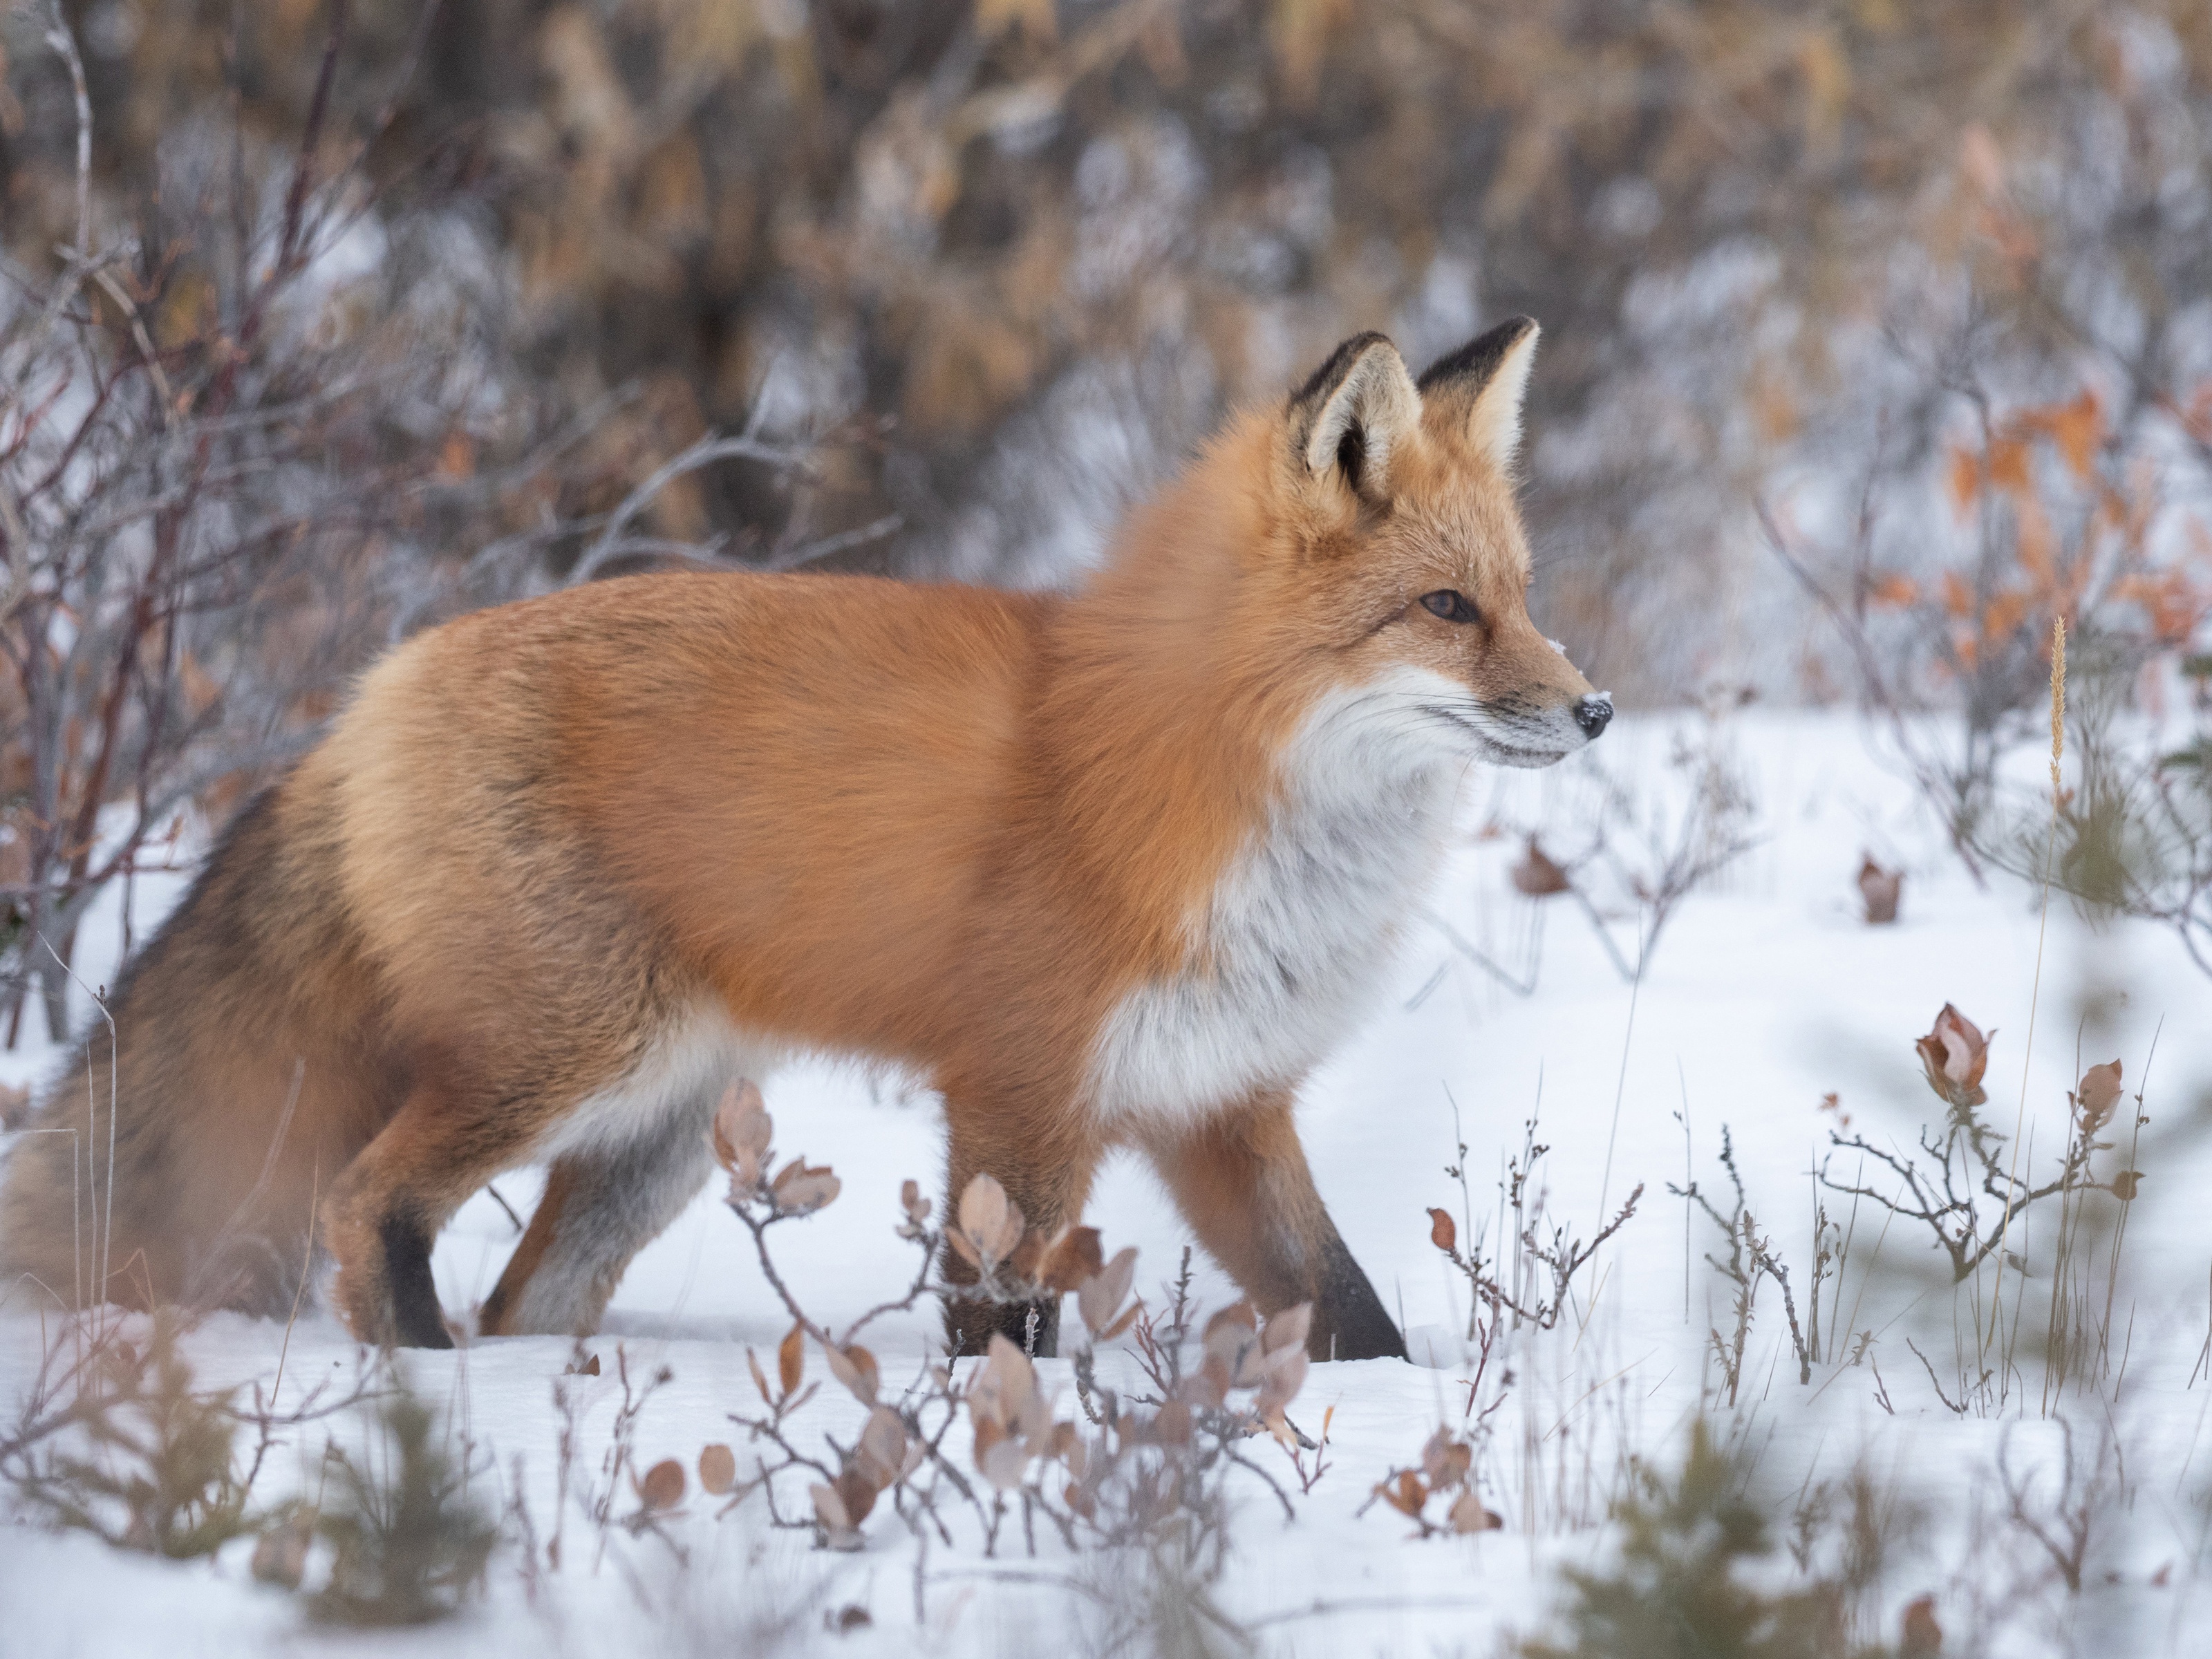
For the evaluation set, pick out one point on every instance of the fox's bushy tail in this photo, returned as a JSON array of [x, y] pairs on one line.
[[244, 1073]]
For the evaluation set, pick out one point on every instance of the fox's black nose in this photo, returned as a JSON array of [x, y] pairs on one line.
[[1594, 713]]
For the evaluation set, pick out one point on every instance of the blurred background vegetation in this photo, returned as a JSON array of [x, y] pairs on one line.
[[1878, 336]]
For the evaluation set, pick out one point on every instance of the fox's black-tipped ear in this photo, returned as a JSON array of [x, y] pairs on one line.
[[1354, 412], [1482, 384]]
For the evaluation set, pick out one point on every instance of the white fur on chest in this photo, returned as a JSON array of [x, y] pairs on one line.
[[1295, 938]]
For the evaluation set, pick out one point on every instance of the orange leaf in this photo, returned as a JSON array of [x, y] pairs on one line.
[[1443, 1232], [2008, 460], [1892, 589], [663, 1485], [1965, 478], [2007, 611], [2078, 429], [718, 1469], [791, 1359]]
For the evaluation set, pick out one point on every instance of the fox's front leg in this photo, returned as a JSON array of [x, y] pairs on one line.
[[1045, 1162], [1241, 1180]]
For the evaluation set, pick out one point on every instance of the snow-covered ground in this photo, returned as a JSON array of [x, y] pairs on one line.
[[1765, 993]]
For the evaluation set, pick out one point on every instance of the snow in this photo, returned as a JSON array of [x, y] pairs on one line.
[[1765, 993]]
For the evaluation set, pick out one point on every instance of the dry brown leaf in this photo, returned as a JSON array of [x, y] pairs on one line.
[[1006, 1383], [1023, 1264], [791, 1358], [1468, 1514], [855, 1367], [663, 1485], [1536, 874], [718, 1469], [857, 1493], [1287, 1375], [741, 1134], [883, 1450], [802, 1190], [829, 1510], [760, 1376], [1955, 1054], [1444, 1232], [1880, 889], [2099, 1093], [2126, 1184], [993, 1222], [917, 1208], [1003, 1464], [1075, 1256], [1099, 1298]]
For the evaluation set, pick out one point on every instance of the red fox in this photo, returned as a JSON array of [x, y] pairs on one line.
[[1115, 869]]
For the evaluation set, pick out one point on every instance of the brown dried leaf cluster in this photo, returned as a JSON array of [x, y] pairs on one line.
[[742, 1134], [1446, 1471], [1955, 1054]]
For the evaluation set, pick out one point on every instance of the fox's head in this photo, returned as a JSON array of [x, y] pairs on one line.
[[1393, 551]]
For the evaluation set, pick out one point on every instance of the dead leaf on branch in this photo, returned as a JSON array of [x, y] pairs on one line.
[[1444, 1232], [1406, 1494], [1955, 1054], [1098, 1297], [916, 1207], [1446, 1459], [1536, 874], [741, 1135], [662, 1489], [1076, 1256], [802, 1190], [854, 1367], [2099, 1091], [1468, 1514], [991, 1224], [837, 1523], [718, 1470], [791, 1359]]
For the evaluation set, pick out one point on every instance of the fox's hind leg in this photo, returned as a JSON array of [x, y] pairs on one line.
[[385, 1212], [601, 1207], [1242, 1180]]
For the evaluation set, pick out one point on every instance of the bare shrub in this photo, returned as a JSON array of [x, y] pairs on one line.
[[117, 1438], [1150, 1470], [1750, 1258]]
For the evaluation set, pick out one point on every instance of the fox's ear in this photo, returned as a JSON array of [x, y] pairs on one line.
[[1481, 384], [1357, 408]]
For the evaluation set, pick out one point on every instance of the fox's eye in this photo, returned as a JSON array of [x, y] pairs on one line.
[[1451, 605]]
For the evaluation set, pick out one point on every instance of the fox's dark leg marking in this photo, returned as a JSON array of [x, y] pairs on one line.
[[1348, 1311], [417, 1320]]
